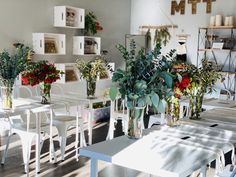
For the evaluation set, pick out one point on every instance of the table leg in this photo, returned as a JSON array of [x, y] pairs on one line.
[[94, 168], [181, 112], [37, 152], [90, 123], [77, 134], [203, 171]]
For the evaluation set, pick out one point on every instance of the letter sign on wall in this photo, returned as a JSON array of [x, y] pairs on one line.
[[180, 7], [175, 7]]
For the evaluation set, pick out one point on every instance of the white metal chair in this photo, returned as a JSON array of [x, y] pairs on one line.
[[25, 126], [63, 122], [157, 119], [118, 111]]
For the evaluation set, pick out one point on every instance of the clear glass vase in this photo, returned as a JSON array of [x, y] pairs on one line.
[[172, 116], [135, 122], [7, 97], [195, 106], [91, 88], [45, 93]]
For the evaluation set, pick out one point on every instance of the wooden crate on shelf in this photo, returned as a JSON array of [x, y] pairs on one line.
[[49, 43], [69, 17], [86, 45]]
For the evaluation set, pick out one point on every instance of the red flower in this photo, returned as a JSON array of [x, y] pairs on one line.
[[24, 80], [99, 28]]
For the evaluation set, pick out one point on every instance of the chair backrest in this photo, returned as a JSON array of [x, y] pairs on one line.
[[215, 94], [23, 92]]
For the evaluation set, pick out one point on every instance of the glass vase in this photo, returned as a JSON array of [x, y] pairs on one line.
[[7, 97], [91, 88], [135, 122], [195, 106], [172, 116], [45, 93]]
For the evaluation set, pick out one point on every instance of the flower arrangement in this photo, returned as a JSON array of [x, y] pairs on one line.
[[10, 67], [92, 26], [90, 72], [41, 72]]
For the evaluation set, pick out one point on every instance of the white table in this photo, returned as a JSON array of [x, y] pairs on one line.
[[208, 104], [159, 153]]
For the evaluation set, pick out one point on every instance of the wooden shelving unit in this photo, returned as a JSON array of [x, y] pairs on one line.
[[229, 63]]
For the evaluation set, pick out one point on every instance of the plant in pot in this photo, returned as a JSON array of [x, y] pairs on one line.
[[42, 73], [204, 80], [92, 26], [90, 72], [144, 82], [10, 67]]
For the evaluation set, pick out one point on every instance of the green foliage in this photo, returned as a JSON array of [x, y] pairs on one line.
[[91, 24], [12, 65], [162, 36], [146, 80], [207, 75], [90, 70]]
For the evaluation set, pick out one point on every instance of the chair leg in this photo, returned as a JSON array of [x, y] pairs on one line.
[[6, 149], [26, 149], [63, 147]]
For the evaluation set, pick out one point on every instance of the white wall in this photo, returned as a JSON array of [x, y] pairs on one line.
[[147, 12], [20, 18]]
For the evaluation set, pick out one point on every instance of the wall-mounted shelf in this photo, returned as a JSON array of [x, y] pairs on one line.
[[49, 43], [216, 50], [71, 73], [219, 27], [69, 17], [86, 45]]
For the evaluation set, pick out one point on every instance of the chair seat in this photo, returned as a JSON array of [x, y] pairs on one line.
[[155, 119], [65, 118], [32, 126]]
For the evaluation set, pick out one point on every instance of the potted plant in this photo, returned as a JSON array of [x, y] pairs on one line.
[[92, 26], [10, 68], [42, 73], [90, 72], [144, 82]]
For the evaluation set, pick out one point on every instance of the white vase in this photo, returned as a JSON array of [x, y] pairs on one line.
[[231, 21], [213, 21], [218, 20], [226, 22]]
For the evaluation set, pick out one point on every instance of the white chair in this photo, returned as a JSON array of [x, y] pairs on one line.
[[157, 119], [64, 122], [118, 111], [27, 132], [25, 126]]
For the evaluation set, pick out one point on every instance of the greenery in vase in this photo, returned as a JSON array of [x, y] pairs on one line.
[[92, 26], [12, 65], [146, 79], [92, 69]]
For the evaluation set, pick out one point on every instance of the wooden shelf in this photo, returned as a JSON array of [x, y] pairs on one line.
[[219, 27], [218, 50]]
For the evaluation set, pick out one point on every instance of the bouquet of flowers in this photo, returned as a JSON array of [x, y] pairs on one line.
[[92, 26], [41, 72], [183, 86]]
